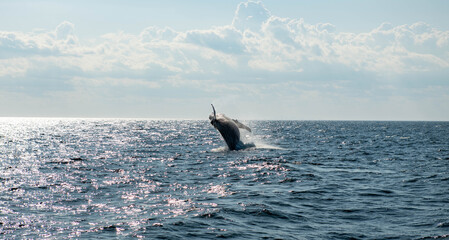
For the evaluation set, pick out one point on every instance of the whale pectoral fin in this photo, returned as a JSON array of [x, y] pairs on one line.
[[241, 125], [215, 114]]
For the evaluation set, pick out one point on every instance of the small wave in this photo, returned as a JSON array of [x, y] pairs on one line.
[[436, 237], [443, 225], [212, 215]]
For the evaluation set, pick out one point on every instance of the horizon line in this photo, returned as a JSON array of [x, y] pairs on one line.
[[205, 119]]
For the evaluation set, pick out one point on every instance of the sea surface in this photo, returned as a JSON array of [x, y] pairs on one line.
[[137, 178]]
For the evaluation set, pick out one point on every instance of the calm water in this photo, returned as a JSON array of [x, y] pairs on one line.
[[84, 178]]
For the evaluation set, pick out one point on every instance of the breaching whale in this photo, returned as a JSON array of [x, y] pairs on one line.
[[229, 130]]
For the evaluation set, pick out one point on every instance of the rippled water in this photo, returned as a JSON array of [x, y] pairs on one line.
[[105, 178]]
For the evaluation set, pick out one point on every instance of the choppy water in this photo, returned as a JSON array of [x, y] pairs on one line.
[[85, 178]]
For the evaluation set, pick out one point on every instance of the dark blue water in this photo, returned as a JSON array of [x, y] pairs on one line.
[[84, 178]]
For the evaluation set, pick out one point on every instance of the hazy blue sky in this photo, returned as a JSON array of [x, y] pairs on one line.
[[273, 59]]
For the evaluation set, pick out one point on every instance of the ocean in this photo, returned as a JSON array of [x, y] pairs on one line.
[[164, 179]]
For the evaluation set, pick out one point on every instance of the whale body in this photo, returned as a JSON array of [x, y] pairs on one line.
[[229, 129]]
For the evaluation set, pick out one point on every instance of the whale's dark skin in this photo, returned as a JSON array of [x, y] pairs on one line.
[[229, 129]]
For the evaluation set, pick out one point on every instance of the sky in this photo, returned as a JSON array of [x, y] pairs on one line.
[[271, 59]]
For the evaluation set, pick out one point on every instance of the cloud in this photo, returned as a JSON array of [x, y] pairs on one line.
[[224, 39], [250, 15], [256, 50], [65, 32]]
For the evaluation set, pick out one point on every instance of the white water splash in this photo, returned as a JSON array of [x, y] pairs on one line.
[[250, 142]]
